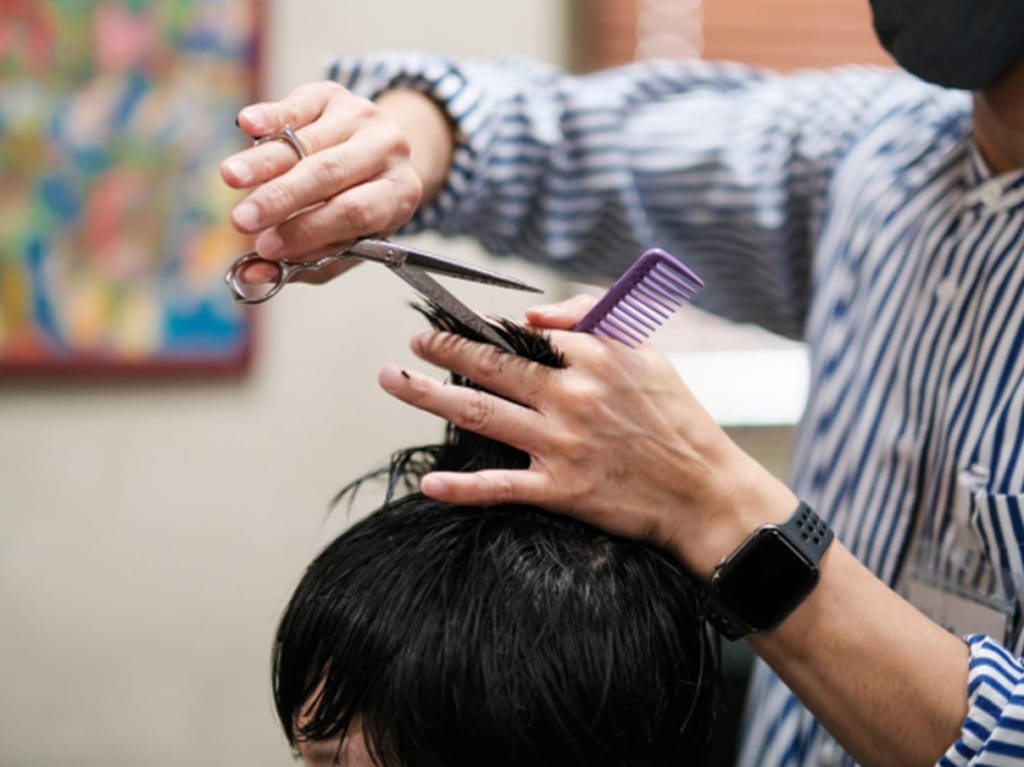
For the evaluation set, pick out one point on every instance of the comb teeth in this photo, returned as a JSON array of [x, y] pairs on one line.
[[641, 299]]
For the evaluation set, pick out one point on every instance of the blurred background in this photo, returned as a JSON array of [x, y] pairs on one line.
[[155, 517]]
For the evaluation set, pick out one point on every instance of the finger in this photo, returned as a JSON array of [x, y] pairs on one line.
[[288, 188], [509, 375], [321, 178], [561, 316], [338, 120], [298, 109], [374, 208], [486, 488], [301, 111], [470, 409], [258, 273], [272, 154], [258, 164]]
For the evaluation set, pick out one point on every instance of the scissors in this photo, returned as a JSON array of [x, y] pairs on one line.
[[410, 264]]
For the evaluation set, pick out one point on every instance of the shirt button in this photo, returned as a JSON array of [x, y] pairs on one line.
[[945, 291], [906, 448], [991, 195], [830, 755]]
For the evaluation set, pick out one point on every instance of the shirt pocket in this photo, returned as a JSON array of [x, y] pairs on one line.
[[997, 519]]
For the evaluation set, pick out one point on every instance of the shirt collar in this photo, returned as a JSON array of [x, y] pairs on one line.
[[991, 192]]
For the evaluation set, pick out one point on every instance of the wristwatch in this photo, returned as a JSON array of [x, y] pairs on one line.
[[760, 583]]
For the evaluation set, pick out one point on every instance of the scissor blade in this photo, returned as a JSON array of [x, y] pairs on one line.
[[395, 254], [432, 290]]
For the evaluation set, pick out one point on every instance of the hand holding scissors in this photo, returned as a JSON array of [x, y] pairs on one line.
[[329, 167]]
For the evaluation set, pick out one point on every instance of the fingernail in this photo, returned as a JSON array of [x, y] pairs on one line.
[[241, 170], [269, 244], [247, 216]]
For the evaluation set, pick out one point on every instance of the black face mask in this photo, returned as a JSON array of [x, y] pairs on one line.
[[954, 43]]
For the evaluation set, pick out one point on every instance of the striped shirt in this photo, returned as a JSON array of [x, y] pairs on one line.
[[848, 208]]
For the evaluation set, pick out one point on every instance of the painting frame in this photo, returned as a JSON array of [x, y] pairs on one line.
[[114, 116]]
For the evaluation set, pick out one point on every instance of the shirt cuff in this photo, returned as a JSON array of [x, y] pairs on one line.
[[442, 80], [994, 727]]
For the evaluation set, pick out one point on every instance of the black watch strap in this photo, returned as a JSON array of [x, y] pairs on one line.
[[761, 582], [808, 531]]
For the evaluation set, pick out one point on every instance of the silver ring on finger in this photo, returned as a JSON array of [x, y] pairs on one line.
[[288, 136]]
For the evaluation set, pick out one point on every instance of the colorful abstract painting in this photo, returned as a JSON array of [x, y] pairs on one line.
[[114, 116]]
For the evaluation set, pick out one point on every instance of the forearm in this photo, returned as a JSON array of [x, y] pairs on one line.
[[889, 684], [587, 172]]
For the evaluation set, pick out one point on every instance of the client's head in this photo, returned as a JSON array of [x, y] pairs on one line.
[[444, 636]]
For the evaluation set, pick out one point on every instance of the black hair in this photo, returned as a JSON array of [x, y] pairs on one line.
[[498, 636]]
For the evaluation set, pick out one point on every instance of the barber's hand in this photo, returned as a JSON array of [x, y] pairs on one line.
[[615, 439], [357, 178]]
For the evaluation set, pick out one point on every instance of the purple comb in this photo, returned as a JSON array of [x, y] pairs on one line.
[[641, 299]]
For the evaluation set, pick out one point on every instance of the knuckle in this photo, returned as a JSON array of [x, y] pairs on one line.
[[358, 215], [277, 199], [310, 143], [330, 170], [264, 160], [411, 192], [363, 107], [577, 488], [575, 494], [476, 411], [274, 202], [502, 489], [266, 164], [598, 361], [407, 197], [300, 233], [330, 88], [420, 388], [586, 394], [573, 448], [491, 363], [443, 345], [395, 141]]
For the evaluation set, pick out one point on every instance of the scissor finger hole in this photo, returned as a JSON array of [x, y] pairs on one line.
[[257, 280]]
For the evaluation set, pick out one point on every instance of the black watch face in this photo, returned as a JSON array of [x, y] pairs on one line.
[[765, 579]]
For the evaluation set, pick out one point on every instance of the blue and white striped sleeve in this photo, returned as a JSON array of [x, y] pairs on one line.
[[723, 165], [993, 732]]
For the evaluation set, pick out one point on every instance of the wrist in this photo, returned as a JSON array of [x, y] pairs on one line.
[[429, 131], [760, 583], [744, 497]]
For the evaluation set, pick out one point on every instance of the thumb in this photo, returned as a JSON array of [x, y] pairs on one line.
[[561, 316]]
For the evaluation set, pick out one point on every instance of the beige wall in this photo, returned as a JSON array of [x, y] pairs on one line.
[[150, 534]]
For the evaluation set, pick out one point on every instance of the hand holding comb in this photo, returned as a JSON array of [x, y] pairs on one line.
[[642, 299]]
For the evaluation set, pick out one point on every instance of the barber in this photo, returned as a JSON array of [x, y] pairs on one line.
[[876, 214]]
